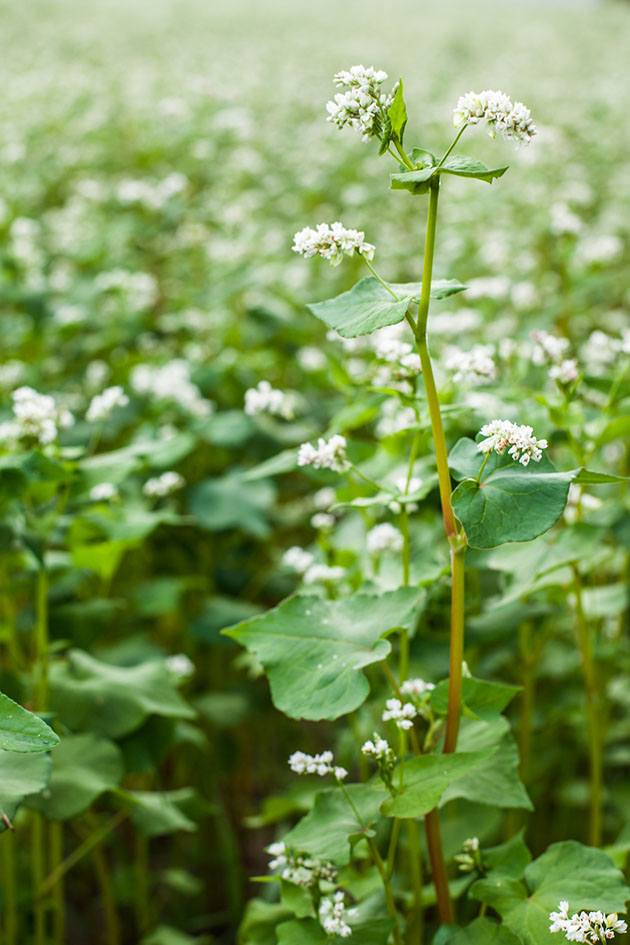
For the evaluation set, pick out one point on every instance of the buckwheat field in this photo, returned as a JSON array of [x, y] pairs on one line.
[[314, 473]]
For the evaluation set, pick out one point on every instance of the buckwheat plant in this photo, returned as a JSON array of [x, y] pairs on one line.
[[409, 752]]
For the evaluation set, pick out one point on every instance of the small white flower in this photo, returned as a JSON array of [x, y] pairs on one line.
[[501, 114], [311, 358], [163, 485], [564, 221], [324, 498], [323, 574], [322, 764], [102, 405], [361, 104], [384, 537], [395, 418], [518, 440], [328, 454], [475, 366], [323, 521], [103, 491], [600, 249], [180, 665], [591, 927], [402, 713], [549, 349], [377, 748], [37, 416], [266, 399], [333, 915], [298, 559], [416, 687], [332, 242], [566, 372]]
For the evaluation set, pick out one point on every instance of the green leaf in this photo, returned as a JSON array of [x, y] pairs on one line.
[[113, 700], [483, 932], [372, 931], [421, 781], [84, 767], [156, 813], [166, 935], [368, 305], [509, 859], [590, 477], [397, 113], [585, 877], [480, 698], [416, 182], [21, 730], [20, 775], [297, 899], [495, 781], [464, 459], [232, 502], [325, 831], [462, 166], [512, 502], [313, 650]]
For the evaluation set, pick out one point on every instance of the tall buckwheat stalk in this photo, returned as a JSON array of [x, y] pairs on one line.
[[314, 646]]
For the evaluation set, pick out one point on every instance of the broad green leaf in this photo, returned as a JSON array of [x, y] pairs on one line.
[[283, 462], [313, 650], [590, 477], [371, 931], [585, 877], [20, 775], [325, 831], [113, 700], [495, 781], [166, 935], [297, 898], [397, 113], [508, 859], [480, 698], [512, 502], [368, 305], [21, 730], [421, 781], [464, 459], [260, 922], [483, 932], [416, 182], [462, 166], [232, 502], [156, 813], [83, 768]]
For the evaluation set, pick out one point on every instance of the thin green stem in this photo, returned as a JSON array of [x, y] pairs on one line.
[[385, 285], [96, 837], [9, 890], [452, 145], [416, 917], [372, 482], [59, 904], [108, 900], [141, 883], [585, 646], [402, 154], [41, 639], [38, 870]]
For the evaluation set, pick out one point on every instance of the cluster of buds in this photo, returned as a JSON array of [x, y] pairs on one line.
[[595, 928], [469, 860], [378, 750], [361, 104], [321, 764], [299, 868]]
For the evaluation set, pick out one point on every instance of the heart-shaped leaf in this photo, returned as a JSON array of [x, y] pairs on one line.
[[325, 831], [313, 650], [368, 305], [480, 698], [370, 931], [21, 730], [583, 876], [483, 932]]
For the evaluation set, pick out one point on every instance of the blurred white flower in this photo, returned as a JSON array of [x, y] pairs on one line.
[[37, 415], [323, 521], [323, 574], [565, 372], [324, 498], [564, 221], [384, 537], [267, 399], [163, 485], [333, 915], [328, 454], [171, 381], [600, 249], [102, 405], [549, 349], [416, 687], [298, 559], [475, 366], [180, 665], [103, 491]]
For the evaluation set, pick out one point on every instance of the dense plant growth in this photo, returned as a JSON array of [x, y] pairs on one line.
[[393, 471]]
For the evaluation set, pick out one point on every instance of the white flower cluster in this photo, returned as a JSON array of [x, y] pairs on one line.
[[300, 869], [321, 764], [402, 713], [600, 350], [328, 454], [552, 350], [150, 194], [395, 418], [401, 360], [475, 366], [104, 403], [163, 485], [502, 115], [298, 559], [37, 417], [595, 928], [517, 439], [267, 399], [361, 105], [320, 573], [416, 687], [172, 382], [384, 537], [103, 491], [333, 915], [180, 665], [332, 242], [378, 749], [470, 858]]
